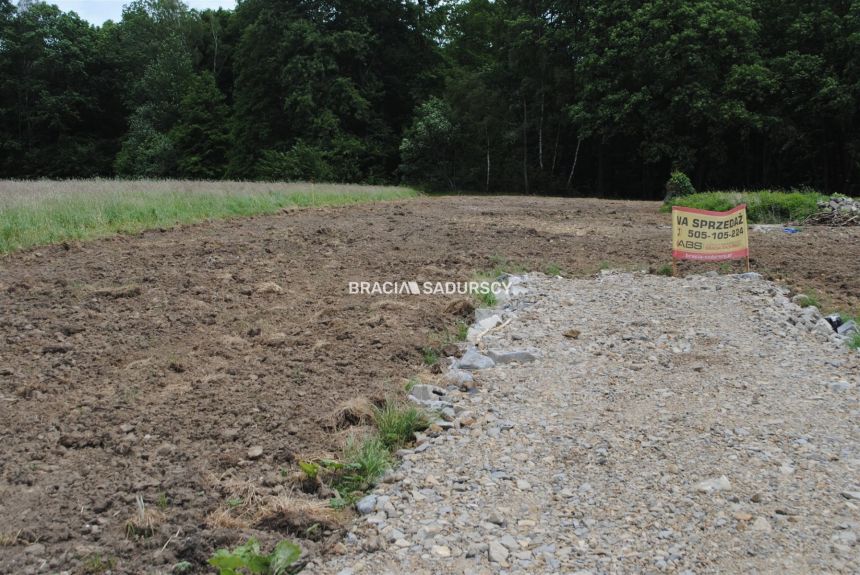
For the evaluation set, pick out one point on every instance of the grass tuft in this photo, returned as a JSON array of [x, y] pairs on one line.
[[398, 422], [430, 356], [365, 459], [809, 299], [41, 212]]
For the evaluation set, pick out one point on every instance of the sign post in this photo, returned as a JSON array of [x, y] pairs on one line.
[[709, 236]]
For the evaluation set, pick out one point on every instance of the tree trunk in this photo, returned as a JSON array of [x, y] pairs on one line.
[[525, 148], [215, 48], [555, 150], [487, 184], [601, 167], [540, 131], [573, 167]]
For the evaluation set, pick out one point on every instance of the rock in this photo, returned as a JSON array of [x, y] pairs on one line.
[[721, 483], [473, 360], [483, 313], [366, 504], [484, 325], [523, 485], [497, 552], [848, 328], [572, 333], [503, 357], [761, 524], [441, 551], [255, 452], [750, 276], [838, 386], [268, 287], [823, 327], [426, 392], [461, 378], [851, 495]]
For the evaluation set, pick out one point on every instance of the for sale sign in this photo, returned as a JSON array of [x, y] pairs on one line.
[[709, 236]]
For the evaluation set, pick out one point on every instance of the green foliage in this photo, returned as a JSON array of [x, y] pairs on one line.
[[412, 382], [505, 97], [854, 341], [201, 137], [679, 185], [664, 270], [111, 208], [487, 299], [301, 162], [764, 207], [462, 330], [396, 423], [427, 148], [364, 462], [146, 152], [430, 356], [552, 269], [809, 300], [310, 469], [96, 565], [247, 559]]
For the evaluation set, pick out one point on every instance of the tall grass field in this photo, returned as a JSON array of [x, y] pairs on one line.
[[763, 206], [41, 212]]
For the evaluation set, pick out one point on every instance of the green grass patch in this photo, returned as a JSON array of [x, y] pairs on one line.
[[364, 461], [488, 299], [763, 207], [502, 265], [397, 422], [247, 558], [854, 341], [552, 269], [47, 212], [430, 356], [462, 330], [809, 299]]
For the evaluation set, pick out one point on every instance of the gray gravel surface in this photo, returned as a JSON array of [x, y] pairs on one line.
[[697, 425]]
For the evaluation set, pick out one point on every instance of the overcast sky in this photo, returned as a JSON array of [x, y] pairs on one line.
[[97, 11]]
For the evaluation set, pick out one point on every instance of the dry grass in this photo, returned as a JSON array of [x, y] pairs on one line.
[[41, 212], [144, 522], [350, 413], [246, 507]]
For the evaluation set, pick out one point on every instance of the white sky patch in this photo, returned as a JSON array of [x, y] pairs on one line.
[[97, 11]]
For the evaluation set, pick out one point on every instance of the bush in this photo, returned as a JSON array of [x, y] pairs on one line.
[[678, 185], [301, 163], [763, 207]]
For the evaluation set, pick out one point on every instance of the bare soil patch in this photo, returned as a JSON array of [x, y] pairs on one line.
[[150, 365]]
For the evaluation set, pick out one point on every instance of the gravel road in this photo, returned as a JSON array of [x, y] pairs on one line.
[[698, 425]]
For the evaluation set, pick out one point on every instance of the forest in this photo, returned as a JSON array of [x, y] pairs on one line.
[[563, 97]]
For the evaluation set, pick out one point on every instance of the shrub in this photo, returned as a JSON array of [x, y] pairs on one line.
[[678, 185], [248, 559]]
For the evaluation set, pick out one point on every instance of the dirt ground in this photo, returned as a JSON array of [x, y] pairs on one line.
[[148, 366]]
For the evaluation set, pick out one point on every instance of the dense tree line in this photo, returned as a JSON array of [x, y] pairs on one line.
[[538, 96]]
